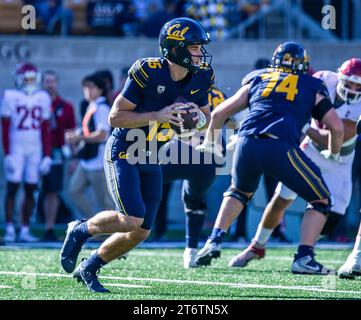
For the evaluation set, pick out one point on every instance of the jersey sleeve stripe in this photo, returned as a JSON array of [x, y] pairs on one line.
[[142, 71], [137, 80]]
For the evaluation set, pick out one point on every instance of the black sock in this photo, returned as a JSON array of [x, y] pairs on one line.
[[82, 230], [217, 235], [304, 250], [194, 223], [94, 262]]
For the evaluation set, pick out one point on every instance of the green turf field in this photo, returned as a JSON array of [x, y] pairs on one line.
[[154, 274]]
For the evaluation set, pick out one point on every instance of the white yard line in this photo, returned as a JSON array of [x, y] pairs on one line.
[[176, 281], [5, 287], [173, 254], [124, 285]]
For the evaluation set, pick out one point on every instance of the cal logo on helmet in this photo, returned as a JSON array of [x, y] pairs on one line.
[[175, 33]]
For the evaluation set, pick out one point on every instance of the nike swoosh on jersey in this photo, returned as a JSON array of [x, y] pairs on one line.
[[194, 91]]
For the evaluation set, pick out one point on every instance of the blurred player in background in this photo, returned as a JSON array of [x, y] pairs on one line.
[[147, 102], [25, 114], [197, 179], [281, 100], [62, 119]]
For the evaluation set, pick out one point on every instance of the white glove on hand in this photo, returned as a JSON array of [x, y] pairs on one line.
[[330, 156], [9, 163], [232, 142], [202, 120], [45, 165], [211, 147]]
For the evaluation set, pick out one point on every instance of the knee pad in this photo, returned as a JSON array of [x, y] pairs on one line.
[[332, 222], [29, 189], [320, 207], [12, 188], [234, 193]]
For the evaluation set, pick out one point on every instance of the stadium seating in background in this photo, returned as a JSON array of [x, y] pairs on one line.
[[80, 23], [10, 16]]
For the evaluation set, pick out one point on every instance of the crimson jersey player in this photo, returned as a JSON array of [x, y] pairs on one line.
[[25, 113]]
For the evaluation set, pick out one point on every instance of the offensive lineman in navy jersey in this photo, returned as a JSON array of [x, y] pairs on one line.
[[147, 103], [281, 100]]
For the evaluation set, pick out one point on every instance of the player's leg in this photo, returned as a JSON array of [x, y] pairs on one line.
[[352, 266], [13, 175], [246, 174], [272, 216], [127, 198], [195, 208], [27, 210], [198, 177], [10, 196], [304, 177], [270, 185], [31, 181], [121, 243]]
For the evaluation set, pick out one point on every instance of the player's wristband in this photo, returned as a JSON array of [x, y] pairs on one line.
[[202, 121]]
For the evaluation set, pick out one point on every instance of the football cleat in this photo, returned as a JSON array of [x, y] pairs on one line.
[[89, 278], [211, 250], [351, 268], [71, 246], [10, 236], [252, 252], [189, 258], [309, 265], [26, 236]]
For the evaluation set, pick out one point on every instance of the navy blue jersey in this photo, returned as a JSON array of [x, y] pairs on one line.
[[215, 97], [280, 103], [151, 88]]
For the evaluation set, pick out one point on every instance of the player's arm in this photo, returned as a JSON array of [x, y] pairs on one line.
[[5, 125], [326, 114], [6, 112], [321, 136], [122, 114], [225, 110]]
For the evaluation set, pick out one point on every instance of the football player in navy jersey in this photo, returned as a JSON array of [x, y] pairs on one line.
[[197, 179], [147, 103], [281, 100]]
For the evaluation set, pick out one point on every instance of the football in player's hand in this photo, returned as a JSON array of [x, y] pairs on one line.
[[188, 125]]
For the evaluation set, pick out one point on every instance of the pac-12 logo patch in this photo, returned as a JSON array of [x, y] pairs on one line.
[[160, 89]]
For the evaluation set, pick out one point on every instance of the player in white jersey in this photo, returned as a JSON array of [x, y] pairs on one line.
[[25, 114], [345, 91]]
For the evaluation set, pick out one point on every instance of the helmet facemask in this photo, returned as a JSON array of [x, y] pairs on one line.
[[183, 57], [28, 81], [347, 94]]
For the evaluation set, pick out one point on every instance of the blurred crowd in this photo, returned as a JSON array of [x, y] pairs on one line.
[[142, 17]]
